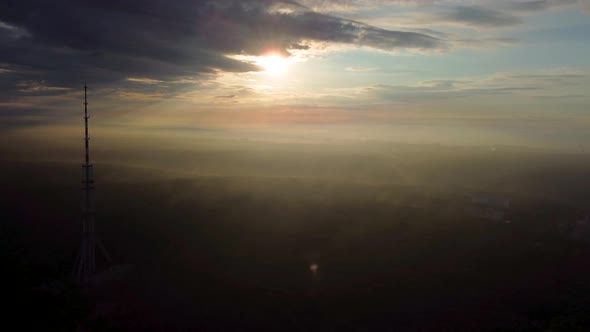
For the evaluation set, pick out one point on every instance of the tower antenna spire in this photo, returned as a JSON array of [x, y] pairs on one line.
[[85, 266]]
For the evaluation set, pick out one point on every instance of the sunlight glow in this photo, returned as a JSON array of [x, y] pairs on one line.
[[273, 64]]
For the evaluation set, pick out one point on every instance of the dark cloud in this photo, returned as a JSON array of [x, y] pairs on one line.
[[530, 5], [64, 43], [390, 40], [480, 16], [538, 5]]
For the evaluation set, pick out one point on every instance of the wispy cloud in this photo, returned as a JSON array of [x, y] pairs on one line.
[[360, 69], [544, 83], [479, 16]]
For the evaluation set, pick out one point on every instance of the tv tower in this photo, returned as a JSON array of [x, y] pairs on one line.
[[85, 266]]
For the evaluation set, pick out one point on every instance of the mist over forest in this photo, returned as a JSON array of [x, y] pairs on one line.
[[221, 230]]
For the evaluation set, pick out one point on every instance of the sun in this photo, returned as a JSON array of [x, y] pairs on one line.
[[273, 64]]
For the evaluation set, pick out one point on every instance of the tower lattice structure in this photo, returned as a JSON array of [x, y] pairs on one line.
[[85, 266]]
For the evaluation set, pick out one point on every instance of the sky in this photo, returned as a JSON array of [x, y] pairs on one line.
[[451, 71]]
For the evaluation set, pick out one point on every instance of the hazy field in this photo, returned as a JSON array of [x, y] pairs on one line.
[[221, 233]]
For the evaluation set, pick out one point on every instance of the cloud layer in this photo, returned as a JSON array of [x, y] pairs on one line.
[[156, 49], [61, 43]]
